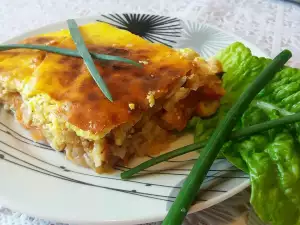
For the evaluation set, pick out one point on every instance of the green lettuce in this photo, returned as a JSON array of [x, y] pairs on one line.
[[272, 158]]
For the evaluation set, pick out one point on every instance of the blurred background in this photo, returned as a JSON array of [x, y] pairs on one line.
[[270, 24]]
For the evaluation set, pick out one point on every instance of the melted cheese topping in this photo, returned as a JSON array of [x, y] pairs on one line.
[[66, 79], [57, 95]]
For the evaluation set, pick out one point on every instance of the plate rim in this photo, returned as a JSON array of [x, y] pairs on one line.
[[196, 207]]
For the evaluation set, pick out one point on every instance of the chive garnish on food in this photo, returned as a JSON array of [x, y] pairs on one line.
[[83, 51], [68, 52], [190, 188], [244, 132]]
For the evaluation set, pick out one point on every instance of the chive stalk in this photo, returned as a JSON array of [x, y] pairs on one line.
[[244, 132], [87, 58], [68, 52], [190, 188]]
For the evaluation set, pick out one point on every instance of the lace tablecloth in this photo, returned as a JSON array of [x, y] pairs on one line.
[[270, 24]]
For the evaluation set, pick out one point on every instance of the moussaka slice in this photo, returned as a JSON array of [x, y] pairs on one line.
[[57, 99]]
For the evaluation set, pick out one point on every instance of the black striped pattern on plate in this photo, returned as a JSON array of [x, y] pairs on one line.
[[17, 149], [154, 28]]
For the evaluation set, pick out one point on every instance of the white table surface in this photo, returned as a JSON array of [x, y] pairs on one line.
[[270, 24]]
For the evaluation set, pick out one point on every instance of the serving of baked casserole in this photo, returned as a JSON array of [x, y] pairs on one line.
[[55, 97]]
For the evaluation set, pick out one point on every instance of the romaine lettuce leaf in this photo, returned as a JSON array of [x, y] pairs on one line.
[[272, 159]]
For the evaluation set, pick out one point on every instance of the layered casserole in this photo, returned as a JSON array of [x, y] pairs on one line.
[[55, 97]]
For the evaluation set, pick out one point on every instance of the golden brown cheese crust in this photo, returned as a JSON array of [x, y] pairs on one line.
[[66, 79]]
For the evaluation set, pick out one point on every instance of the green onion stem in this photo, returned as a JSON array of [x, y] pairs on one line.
[[87, 58], [156, 160], [190, 188], [68, 52], [244, 132]]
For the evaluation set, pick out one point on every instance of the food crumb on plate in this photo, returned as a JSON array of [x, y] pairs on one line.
[[131, 106]]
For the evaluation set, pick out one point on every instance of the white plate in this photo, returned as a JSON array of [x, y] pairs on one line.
[[40, 182]]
